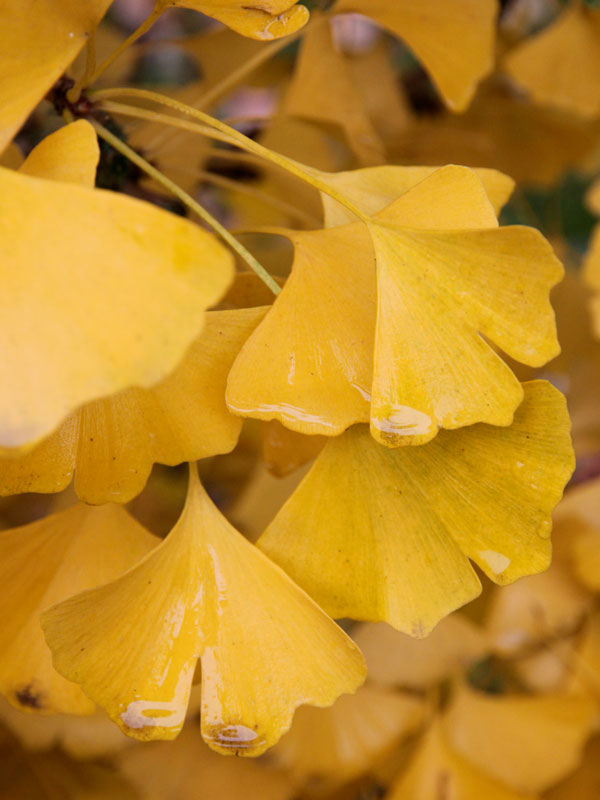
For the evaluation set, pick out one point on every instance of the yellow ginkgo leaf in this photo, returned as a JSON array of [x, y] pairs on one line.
[[115, 301], [326, 747], [486, 280], [206, 593], [188, 770], [334, 100], [284, 450], [258, 19], [527, 743], [531, 143], [437, 771], [543, 607], [111, 444], [438, 254], [373, 188], [70, 154], [586, 555], [455, 42], [560, 66], [12, 157], [309, 363], [41, 564], [394, 659], [591, 274], [40, 38], [386, 535]]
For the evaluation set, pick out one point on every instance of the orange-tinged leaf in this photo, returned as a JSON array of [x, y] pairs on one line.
[[326, 747], [386, 535], [69, 154], [560, 66], [40, 38], [437, 771], [206, 593], [111, 444], [115, 301], [454, 41], [373, 188], [527, 743], [41, 564], [258, 19], [394, 659]]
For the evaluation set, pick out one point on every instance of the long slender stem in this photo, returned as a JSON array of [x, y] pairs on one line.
[[237, 75], [189, 201], [301, 171], [143, 28], [90, 66], [166, 119]]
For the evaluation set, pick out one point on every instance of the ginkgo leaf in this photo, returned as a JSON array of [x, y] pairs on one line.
[[560, 66], [41, 564], [335, 101], [12, 156], [586, 555], [543, 607], [111, 444], [437, 771], [527, 743], [591, 274], [283, 450], [115, 301], [309, 363], [188, 770], [394, 659], [206, 593], [69, 154], [438, 255], [455, 42], [40, 38], [373, 188], [531, 143], [326, 747], [386, 535], [258, 19], [485, 281]]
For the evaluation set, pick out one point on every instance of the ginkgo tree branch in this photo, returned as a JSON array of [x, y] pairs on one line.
[[189, 201]]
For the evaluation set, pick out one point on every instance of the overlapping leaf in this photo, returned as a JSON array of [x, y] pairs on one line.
[[561, 65], [206, 593], [40, 38], [396, 528], [455, 42], [259, 19], [111, 444], [46, 562], [434, 254], [114, 301]]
